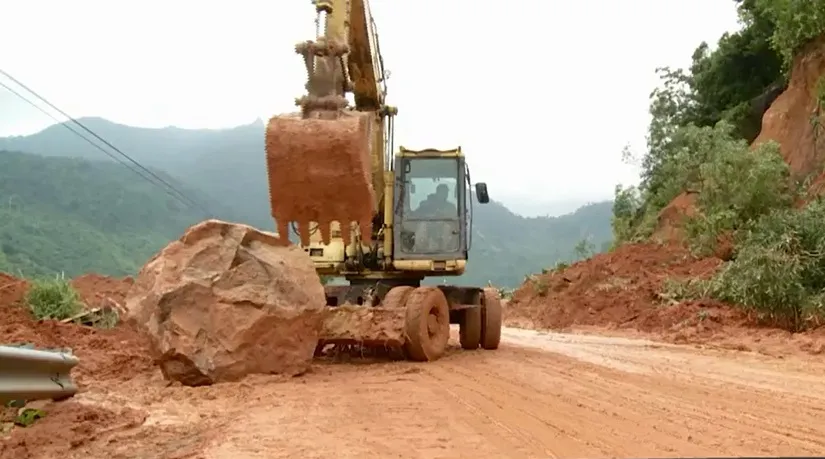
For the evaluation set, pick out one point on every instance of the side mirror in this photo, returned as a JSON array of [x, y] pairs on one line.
[[481, 193]]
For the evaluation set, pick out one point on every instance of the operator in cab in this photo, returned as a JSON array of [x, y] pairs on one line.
[[437, 235], [437, 206]]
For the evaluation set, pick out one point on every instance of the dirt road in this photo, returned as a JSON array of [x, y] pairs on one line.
[[539, 395]]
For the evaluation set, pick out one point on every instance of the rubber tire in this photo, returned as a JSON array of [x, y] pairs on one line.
[[396, 297], [490, 319], [426, 304], [470, 328]]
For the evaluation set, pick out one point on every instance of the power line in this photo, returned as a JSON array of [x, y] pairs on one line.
[[22, 97], [175, 193]]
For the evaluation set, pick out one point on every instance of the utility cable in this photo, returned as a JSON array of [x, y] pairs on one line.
[[172, 190], [56, 120]]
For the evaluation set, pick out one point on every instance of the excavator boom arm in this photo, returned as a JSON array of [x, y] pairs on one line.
[[351, 22], [327, 166]]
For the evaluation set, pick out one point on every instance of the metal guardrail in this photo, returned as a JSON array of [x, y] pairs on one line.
[[29, 374]]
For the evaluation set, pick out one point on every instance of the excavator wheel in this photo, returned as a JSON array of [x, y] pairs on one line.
[[470, 328], [397, 297], [490, 319], [427, 324]]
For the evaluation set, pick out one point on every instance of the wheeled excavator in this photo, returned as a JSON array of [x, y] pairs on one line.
[[382, 219]]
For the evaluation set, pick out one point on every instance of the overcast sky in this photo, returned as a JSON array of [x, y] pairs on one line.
[[541, 94]]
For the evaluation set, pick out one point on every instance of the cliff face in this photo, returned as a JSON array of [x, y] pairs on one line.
[[794, 119]]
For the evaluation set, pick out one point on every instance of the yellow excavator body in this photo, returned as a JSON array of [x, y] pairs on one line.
[[383, 219]]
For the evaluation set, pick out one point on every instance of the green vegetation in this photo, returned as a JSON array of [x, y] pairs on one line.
[[56, 299], [70, 212], [703, 120], [506, 247], [65, 215], [29, 416], [53, 299]]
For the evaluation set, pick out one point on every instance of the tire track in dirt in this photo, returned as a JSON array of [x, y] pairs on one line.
[[610, 414], [589, 396], [539, 395], [691, 414]]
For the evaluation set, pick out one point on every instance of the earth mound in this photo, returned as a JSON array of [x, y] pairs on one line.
[[620, 289], [227, 300], [115, 354], [96, 290]]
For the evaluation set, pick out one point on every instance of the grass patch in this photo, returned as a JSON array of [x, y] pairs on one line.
[[53, 299]]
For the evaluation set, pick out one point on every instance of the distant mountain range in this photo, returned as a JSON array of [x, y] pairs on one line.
[[63, 185]]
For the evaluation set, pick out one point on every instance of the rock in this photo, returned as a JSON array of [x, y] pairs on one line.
[[225, 301]]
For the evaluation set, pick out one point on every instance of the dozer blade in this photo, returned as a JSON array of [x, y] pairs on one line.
[[319, 171]]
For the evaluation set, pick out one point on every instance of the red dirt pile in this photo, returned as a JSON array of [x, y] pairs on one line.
[[673, 216], [115, 354], [320, 171], [96, 290], [621, 292], [225, 301], [617, 289]]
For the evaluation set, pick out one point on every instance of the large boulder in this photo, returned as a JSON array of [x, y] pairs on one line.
[[227, 300]]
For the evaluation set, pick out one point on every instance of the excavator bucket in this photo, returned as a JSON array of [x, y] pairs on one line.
[[319, 171]]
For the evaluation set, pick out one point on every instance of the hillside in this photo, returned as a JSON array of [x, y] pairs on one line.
[[726, 225], [223, 168], [225, 165], [75, 216]]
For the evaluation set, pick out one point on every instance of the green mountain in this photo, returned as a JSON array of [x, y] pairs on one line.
[[74, 216], [67, 207]]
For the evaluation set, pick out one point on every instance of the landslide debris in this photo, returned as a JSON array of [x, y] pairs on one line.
[[619, 289], [225, 301], [114, 354]]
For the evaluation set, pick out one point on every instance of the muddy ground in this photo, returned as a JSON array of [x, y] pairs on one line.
[[542, 394]]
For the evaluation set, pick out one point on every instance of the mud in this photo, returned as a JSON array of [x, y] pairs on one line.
[[619, 288], [12, 289], [622, 294], [539, 395], [115, 354], [320, 171], [67, 426], [671, 219], [377, 326], [96, 290]]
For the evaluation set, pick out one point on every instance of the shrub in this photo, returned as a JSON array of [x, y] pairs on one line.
[[779, 269], [737, 187], [797, 23], [53, 299]]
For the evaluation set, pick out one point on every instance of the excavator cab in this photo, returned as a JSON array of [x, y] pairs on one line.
[[433, 205]]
